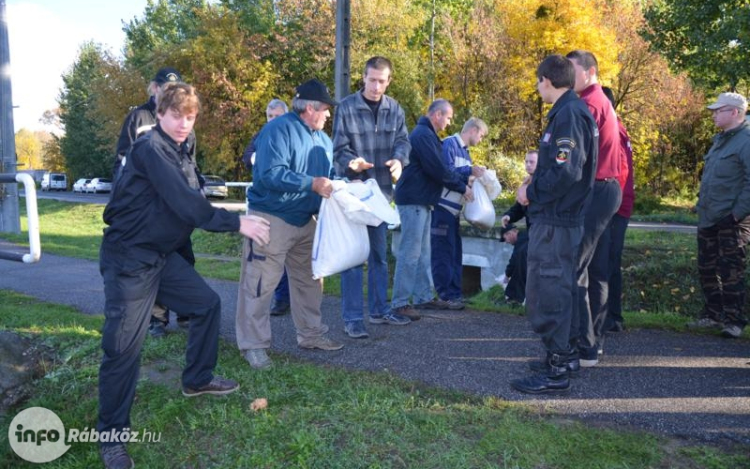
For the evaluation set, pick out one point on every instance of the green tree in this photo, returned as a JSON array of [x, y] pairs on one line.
[[85, 146], [164, 23], [709, 39]]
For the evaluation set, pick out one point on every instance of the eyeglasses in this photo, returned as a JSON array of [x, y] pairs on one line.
[[724, 109]]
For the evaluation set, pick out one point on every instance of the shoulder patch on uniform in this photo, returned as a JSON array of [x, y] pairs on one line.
[[563, 155], [566, 141]]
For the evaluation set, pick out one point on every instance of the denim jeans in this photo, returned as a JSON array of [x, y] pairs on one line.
[[412, 277], [352, 298]]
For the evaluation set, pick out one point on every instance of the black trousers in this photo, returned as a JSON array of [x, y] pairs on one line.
[[160, 312], [133, 281], [593, 264], [550, 283], [517, 269], [618, 227]]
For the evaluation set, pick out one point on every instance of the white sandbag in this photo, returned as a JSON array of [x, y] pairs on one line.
[[354, 209], [490, 183], [339, 243], [369, 193], [480, 212]]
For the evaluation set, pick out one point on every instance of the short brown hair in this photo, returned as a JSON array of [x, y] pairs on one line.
[[179, 97], [379, 63]]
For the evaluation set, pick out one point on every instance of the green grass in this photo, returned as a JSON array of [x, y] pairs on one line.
[[665, 210], [318, 417]]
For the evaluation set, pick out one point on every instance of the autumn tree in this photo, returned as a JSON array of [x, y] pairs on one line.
[[52, 158], [388, 28], [28, 150], [234, 83], [663, 113]]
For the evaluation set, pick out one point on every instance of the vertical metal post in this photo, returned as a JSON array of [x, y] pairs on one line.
[[9, 221], [343, 39]]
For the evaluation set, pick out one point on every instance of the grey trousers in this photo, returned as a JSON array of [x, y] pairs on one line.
[[262, 267], [551, 281]]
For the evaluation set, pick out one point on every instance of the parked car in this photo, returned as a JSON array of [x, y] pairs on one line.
[[80, 185], [215, 187], [97, 185], [54, 182]]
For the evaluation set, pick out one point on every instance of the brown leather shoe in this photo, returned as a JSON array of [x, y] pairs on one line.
[[407, 311], [435, 303]]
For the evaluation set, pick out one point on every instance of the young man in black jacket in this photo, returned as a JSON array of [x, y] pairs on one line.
[[137, 123], [155, 205], [557, 196]]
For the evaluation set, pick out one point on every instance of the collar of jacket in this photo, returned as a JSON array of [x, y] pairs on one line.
[[385, 102], [180, 148], [303, 123], [151, 104], [424, 120], [726, 134], [591, 89], [564, 99]]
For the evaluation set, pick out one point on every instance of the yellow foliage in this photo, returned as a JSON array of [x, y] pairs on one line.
[[539, 28], [28, 150]]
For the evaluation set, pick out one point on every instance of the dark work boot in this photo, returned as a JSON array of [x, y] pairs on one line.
[[553, 380], [572, 364]]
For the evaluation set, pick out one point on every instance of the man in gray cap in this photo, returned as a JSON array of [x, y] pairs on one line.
[[292, 172], [723, 222]]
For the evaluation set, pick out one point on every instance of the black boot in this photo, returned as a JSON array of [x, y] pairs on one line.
[[553, 380], [572, 364]]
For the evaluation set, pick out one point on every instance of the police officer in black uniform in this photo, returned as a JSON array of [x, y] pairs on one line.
[[156, 203], [557, 195]]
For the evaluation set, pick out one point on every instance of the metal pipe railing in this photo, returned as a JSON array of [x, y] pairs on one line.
[[32, 216]]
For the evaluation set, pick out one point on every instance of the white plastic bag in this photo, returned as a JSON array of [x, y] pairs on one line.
[[491, 184], [369, 193], [480, 212], [341, 240]]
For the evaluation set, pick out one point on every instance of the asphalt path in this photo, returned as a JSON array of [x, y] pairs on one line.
[[675, 384]]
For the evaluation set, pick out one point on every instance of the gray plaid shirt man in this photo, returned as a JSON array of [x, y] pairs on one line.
[[357, 133]]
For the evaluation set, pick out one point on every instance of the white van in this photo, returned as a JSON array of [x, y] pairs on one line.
[[54, 182]]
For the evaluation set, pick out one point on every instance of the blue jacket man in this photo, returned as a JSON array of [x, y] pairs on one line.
[[292, 173], [417, 193]]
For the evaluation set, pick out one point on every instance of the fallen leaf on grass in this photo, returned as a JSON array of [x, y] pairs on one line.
[[259, 404]]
